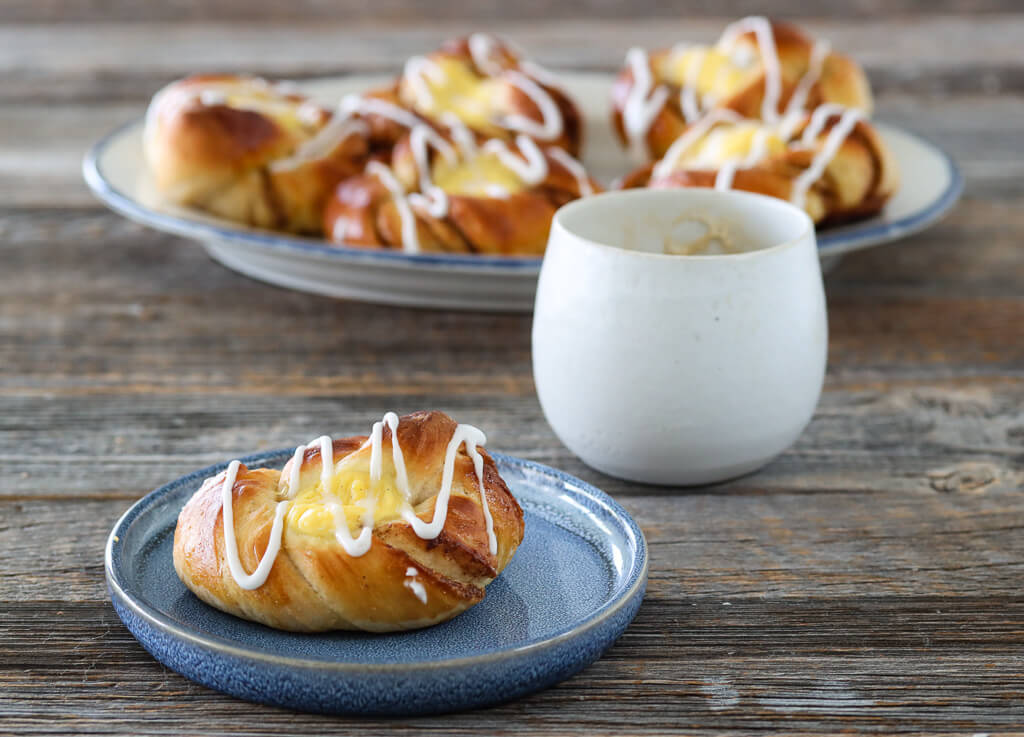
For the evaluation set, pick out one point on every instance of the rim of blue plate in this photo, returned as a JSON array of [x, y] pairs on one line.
[[908, 225], [636, 580], [828, 243]]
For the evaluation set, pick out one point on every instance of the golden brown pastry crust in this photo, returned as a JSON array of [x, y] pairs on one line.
[[236, 160], [856, 182], [363, 212], [842, 81], [314, 584]]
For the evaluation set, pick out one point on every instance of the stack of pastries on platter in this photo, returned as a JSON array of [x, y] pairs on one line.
[[474, 147]]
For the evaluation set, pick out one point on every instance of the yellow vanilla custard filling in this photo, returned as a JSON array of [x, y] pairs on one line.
[[728, 142], [455, 88], [295, 117], [482, 175], [710, 71], [312, 512]]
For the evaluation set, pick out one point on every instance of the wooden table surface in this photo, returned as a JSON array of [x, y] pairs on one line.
[[869, 579]]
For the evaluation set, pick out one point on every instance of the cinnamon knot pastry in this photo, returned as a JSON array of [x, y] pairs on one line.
[[757, 69], [488, 85], [398, 530], [457, 192], [250, 151], [831, 162]]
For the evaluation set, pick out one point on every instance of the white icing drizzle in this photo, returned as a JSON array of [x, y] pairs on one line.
[[693, 134], [410, 239], [496, 190], [551, 124], [725, 175], [643, 102], [819, 52], [354, 546], [416, 68], [343, 125], [309, 112], [727, 172], [354, 104], [575, 168], [819, 118], [257, 578], [542, 74], [295, 471], [211, 97], [481, 49], [286, 87], [829, 149], [339, 229], [322, 144], [762, 30], [464, 139], [642, 106], [376, 457], [471, 437], [464, 435], [413, 585], [431, 197], [531, 168], [535, 167], [688, 102]]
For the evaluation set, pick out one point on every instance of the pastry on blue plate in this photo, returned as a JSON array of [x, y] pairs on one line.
[[397, 530]]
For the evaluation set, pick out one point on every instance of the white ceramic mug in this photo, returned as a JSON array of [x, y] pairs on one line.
[[679, 369]]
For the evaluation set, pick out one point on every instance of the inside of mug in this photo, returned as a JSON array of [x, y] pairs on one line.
[[685, 222]]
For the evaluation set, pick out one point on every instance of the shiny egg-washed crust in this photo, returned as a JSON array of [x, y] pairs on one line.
[[513, 225], [856, 183], [315, 585], [218, 157], [513, 101], [842, 81]]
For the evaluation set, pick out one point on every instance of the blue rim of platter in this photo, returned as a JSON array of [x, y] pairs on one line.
[[829, 243], [158, 633]]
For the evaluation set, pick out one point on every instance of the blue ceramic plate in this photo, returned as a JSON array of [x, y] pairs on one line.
[[115, 171], [574, 585]]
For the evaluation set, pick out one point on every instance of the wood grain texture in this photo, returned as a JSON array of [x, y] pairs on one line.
[[403, 11], [924, 55], [867, 580]]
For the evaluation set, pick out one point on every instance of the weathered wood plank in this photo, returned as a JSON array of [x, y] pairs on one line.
[[692, 664], [389, 11], [923, 54], [267, 341], [911, 439]]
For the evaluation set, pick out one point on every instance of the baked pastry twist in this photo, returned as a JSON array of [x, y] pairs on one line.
[[488, 85], [758, 69], [400, 530], [250, 151], [832, 162], [455, 192]]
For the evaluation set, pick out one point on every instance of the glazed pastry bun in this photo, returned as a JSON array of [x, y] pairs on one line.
[[398, 530], [487, 84], [831, 162], [456, 192], [250, 151], [758, 69]]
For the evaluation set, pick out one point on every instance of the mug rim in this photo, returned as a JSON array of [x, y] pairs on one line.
[[640, 192]]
